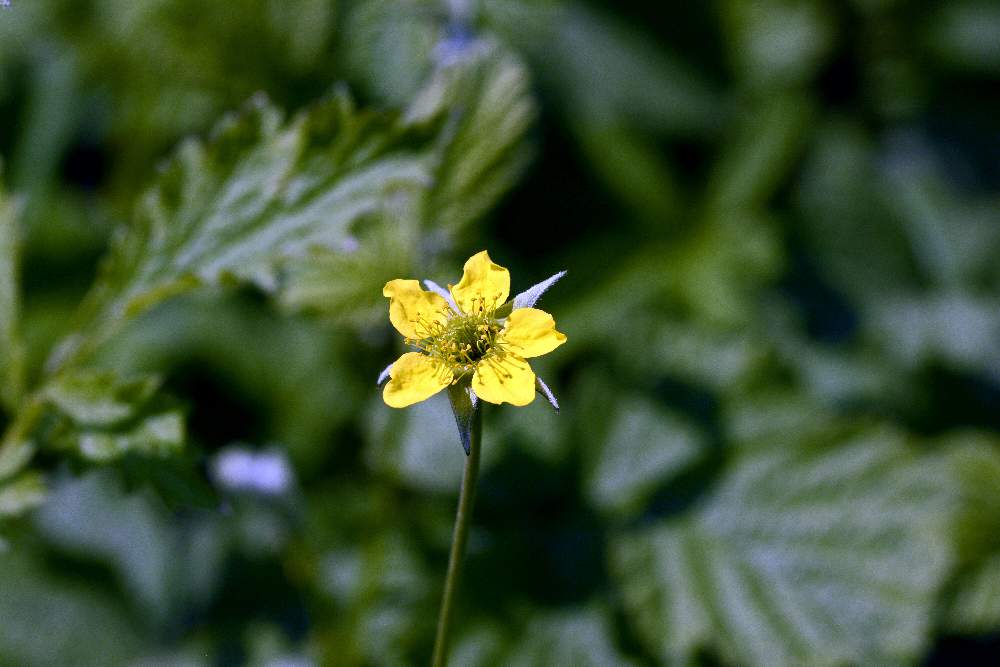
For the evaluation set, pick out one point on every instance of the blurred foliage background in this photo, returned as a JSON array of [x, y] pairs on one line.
[[780, 435]]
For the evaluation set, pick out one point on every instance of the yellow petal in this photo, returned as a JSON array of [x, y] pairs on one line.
[[483, 284], [415, 377], [413, 310], [511, 381], [530, 332]]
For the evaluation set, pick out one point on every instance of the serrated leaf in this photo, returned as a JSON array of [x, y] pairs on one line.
[[14, 457], [485, 92], [481, 102], [156, 435], [704, 355], [100, 397], [724, 262], [11, 352], [105, 416], [259, 191], [799, 557], [21, 494], [973, 460], [346, 284]]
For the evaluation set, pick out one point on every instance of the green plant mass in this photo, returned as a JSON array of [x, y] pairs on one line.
[[770, 434]]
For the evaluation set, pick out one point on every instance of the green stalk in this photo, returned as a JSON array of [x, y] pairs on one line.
[[463, 519]]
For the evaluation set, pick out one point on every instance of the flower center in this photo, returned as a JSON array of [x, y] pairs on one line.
[[462, 342], [465, 340]]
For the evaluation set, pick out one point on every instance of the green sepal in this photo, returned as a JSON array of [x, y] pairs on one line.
[[528, 298], [464, 404], [544, 390]]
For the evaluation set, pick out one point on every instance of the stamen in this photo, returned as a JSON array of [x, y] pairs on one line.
[[464, 342]]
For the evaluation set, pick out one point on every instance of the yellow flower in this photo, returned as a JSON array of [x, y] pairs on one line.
[[463, 335]]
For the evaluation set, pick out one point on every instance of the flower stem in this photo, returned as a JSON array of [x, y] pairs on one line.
[[463, 518]]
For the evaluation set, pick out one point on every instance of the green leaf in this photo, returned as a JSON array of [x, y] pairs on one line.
[[390, 47], [848, 225], [347, 286], [389, 599], [953, 235], [956, 327], [21, 494], [598, 66], [973, 608], [632, 167], [95, 518], [105, 416], [719, 359], [83, 626], [583, 638], [798, 557], [296, 372], [171, 68], [645, 448], [966, 35], [100, 397], [766, 416], [482, 98], [972, 603], [619, 92], [481, 152], [765, 143], [11, 350], [259, 192], [159, 434], [419, 447], [536, 429], [777, 43], [723, 263]]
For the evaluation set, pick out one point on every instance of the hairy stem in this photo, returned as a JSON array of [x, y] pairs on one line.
[[463, 519]]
